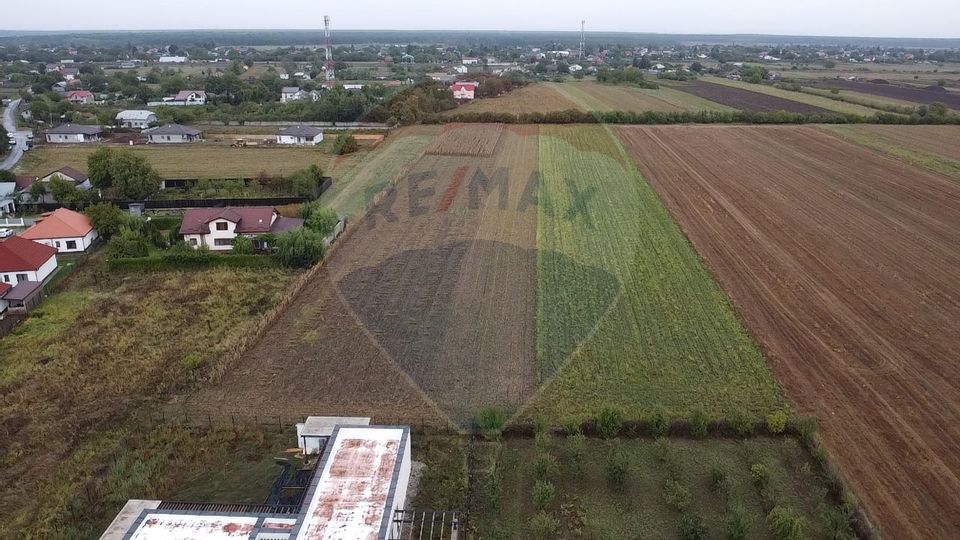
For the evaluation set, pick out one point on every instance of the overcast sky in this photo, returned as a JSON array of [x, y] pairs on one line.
[[878, 18]]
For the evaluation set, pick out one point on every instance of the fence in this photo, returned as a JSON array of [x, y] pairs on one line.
[[185, 203], [7, 222]]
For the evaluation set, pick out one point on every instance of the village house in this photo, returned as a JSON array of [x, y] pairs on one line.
[[25, 260], [74, 134], [77, 178], [470, 61], [63, 229], [215, 228], [70, 74], [80, 97], [300, 135], [187, 98], [464, 90], [172, 59], [24, 267], [136, 119], [173, 134], [291, 93]]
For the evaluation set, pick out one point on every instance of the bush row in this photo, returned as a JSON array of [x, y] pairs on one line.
[[695, 117], [176, 261]]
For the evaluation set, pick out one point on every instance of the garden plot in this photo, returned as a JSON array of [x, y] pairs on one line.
[[468, 140]]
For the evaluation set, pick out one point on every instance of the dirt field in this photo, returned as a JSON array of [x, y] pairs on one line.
[[842, 262], [533, 98], [916, 95], [943, 141], [479, 140], [744, 99], [427, 312]]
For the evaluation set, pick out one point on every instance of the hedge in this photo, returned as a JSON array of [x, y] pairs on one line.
[[155, 263]]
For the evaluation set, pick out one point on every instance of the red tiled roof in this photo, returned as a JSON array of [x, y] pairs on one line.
[[17, 254], [249, 219], [463, 86], [61, 223], [79, 93]]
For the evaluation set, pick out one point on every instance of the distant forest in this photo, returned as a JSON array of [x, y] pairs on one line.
[[451, 37]]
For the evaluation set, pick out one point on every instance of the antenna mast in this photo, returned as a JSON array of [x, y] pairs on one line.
[[328, 66], [582, 44]]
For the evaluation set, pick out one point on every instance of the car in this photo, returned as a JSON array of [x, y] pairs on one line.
[[6, 233]]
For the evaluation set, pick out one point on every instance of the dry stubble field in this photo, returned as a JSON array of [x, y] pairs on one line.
[[843, 264]]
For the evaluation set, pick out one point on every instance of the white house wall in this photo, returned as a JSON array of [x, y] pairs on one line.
[[39, 274], [82, 242]]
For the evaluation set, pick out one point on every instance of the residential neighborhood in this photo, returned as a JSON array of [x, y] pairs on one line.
[[65, 230], [216, 228]]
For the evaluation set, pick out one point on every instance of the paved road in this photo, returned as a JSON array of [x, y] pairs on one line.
[[17, 138]]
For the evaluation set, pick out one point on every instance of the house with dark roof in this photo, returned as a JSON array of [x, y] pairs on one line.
[[300, 135], [77, 178], [173, 134], [189, 97], [215, 228], [25, 260], [291, 93], [73, 134]]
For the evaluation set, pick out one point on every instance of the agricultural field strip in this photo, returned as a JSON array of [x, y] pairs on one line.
[[466, 140], [935, 148], [533, 98], [592, 96], [800, 97], [851, 423], [745, 100], [637, 337]]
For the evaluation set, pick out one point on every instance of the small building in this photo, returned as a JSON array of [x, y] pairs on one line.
[[7, 204], [20, 298], [172, 59], [470, 61], [353, 87], [308, 135], [136, 119], [63, 229], [74, 134], [173, 134], [189, 97], [216, 228], [25, 260], [70, 74], [464, 90], [80, 97], [291, 93]]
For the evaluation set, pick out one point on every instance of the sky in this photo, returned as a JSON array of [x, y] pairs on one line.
[[869, 18]]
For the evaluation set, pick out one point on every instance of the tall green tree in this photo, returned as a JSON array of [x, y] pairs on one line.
[[98, 168], [106, 218], [132, 176]]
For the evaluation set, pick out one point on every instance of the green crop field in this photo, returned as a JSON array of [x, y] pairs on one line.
[[636, 321], [358, 177]]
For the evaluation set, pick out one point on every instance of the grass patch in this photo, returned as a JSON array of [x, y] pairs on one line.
[[918, 157], [635, 321], [74, 376]]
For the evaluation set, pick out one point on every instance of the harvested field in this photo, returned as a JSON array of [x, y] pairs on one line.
[[185, 160], [636, 322], [915, 95], [936, 148], [477, 140], [746, 100], [425, 313], [533, 98], [842, 262], [593, 96], [821, 102]]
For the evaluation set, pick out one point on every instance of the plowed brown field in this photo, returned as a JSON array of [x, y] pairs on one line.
[[844, 264], [427, 311]]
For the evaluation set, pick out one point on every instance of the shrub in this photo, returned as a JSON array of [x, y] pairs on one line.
[[741, 423], [692, 527], [617, 468], [129, 243], [698, 421], [490, 420], [786, 523], [676, 496], [106, 218], [544, 526], [345, 144], [193, 361], [577, 450], [299, 249], [737, 523], [777, 421], [323, 221], [806, 428], [543, 493], [544, 466], [659, 422], [307, 182], [571, 426], [541, 441], [242, 245], [758, 472], [609, 422]]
